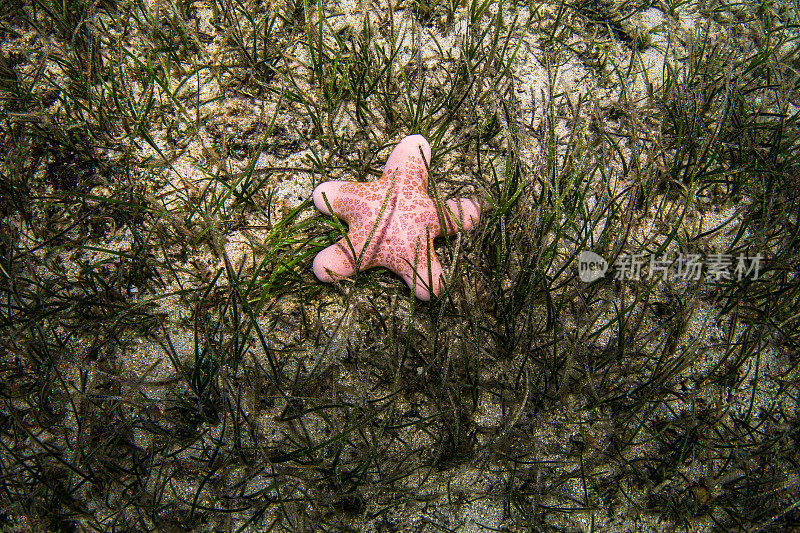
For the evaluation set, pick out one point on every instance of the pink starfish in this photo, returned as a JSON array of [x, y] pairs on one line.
[[395, 218]]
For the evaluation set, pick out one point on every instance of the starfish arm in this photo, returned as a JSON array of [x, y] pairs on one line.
[[346, 198], [458, 213], [461, 213], [410, 262], [411, 148], [421, 282], [425, 275], [334, 262], [326, 191]]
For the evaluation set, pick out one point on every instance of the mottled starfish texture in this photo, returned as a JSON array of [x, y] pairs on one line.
[[395, 219]]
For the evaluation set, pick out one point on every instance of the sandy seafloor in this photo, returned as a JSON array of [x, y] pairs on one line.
[[670, 35]]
